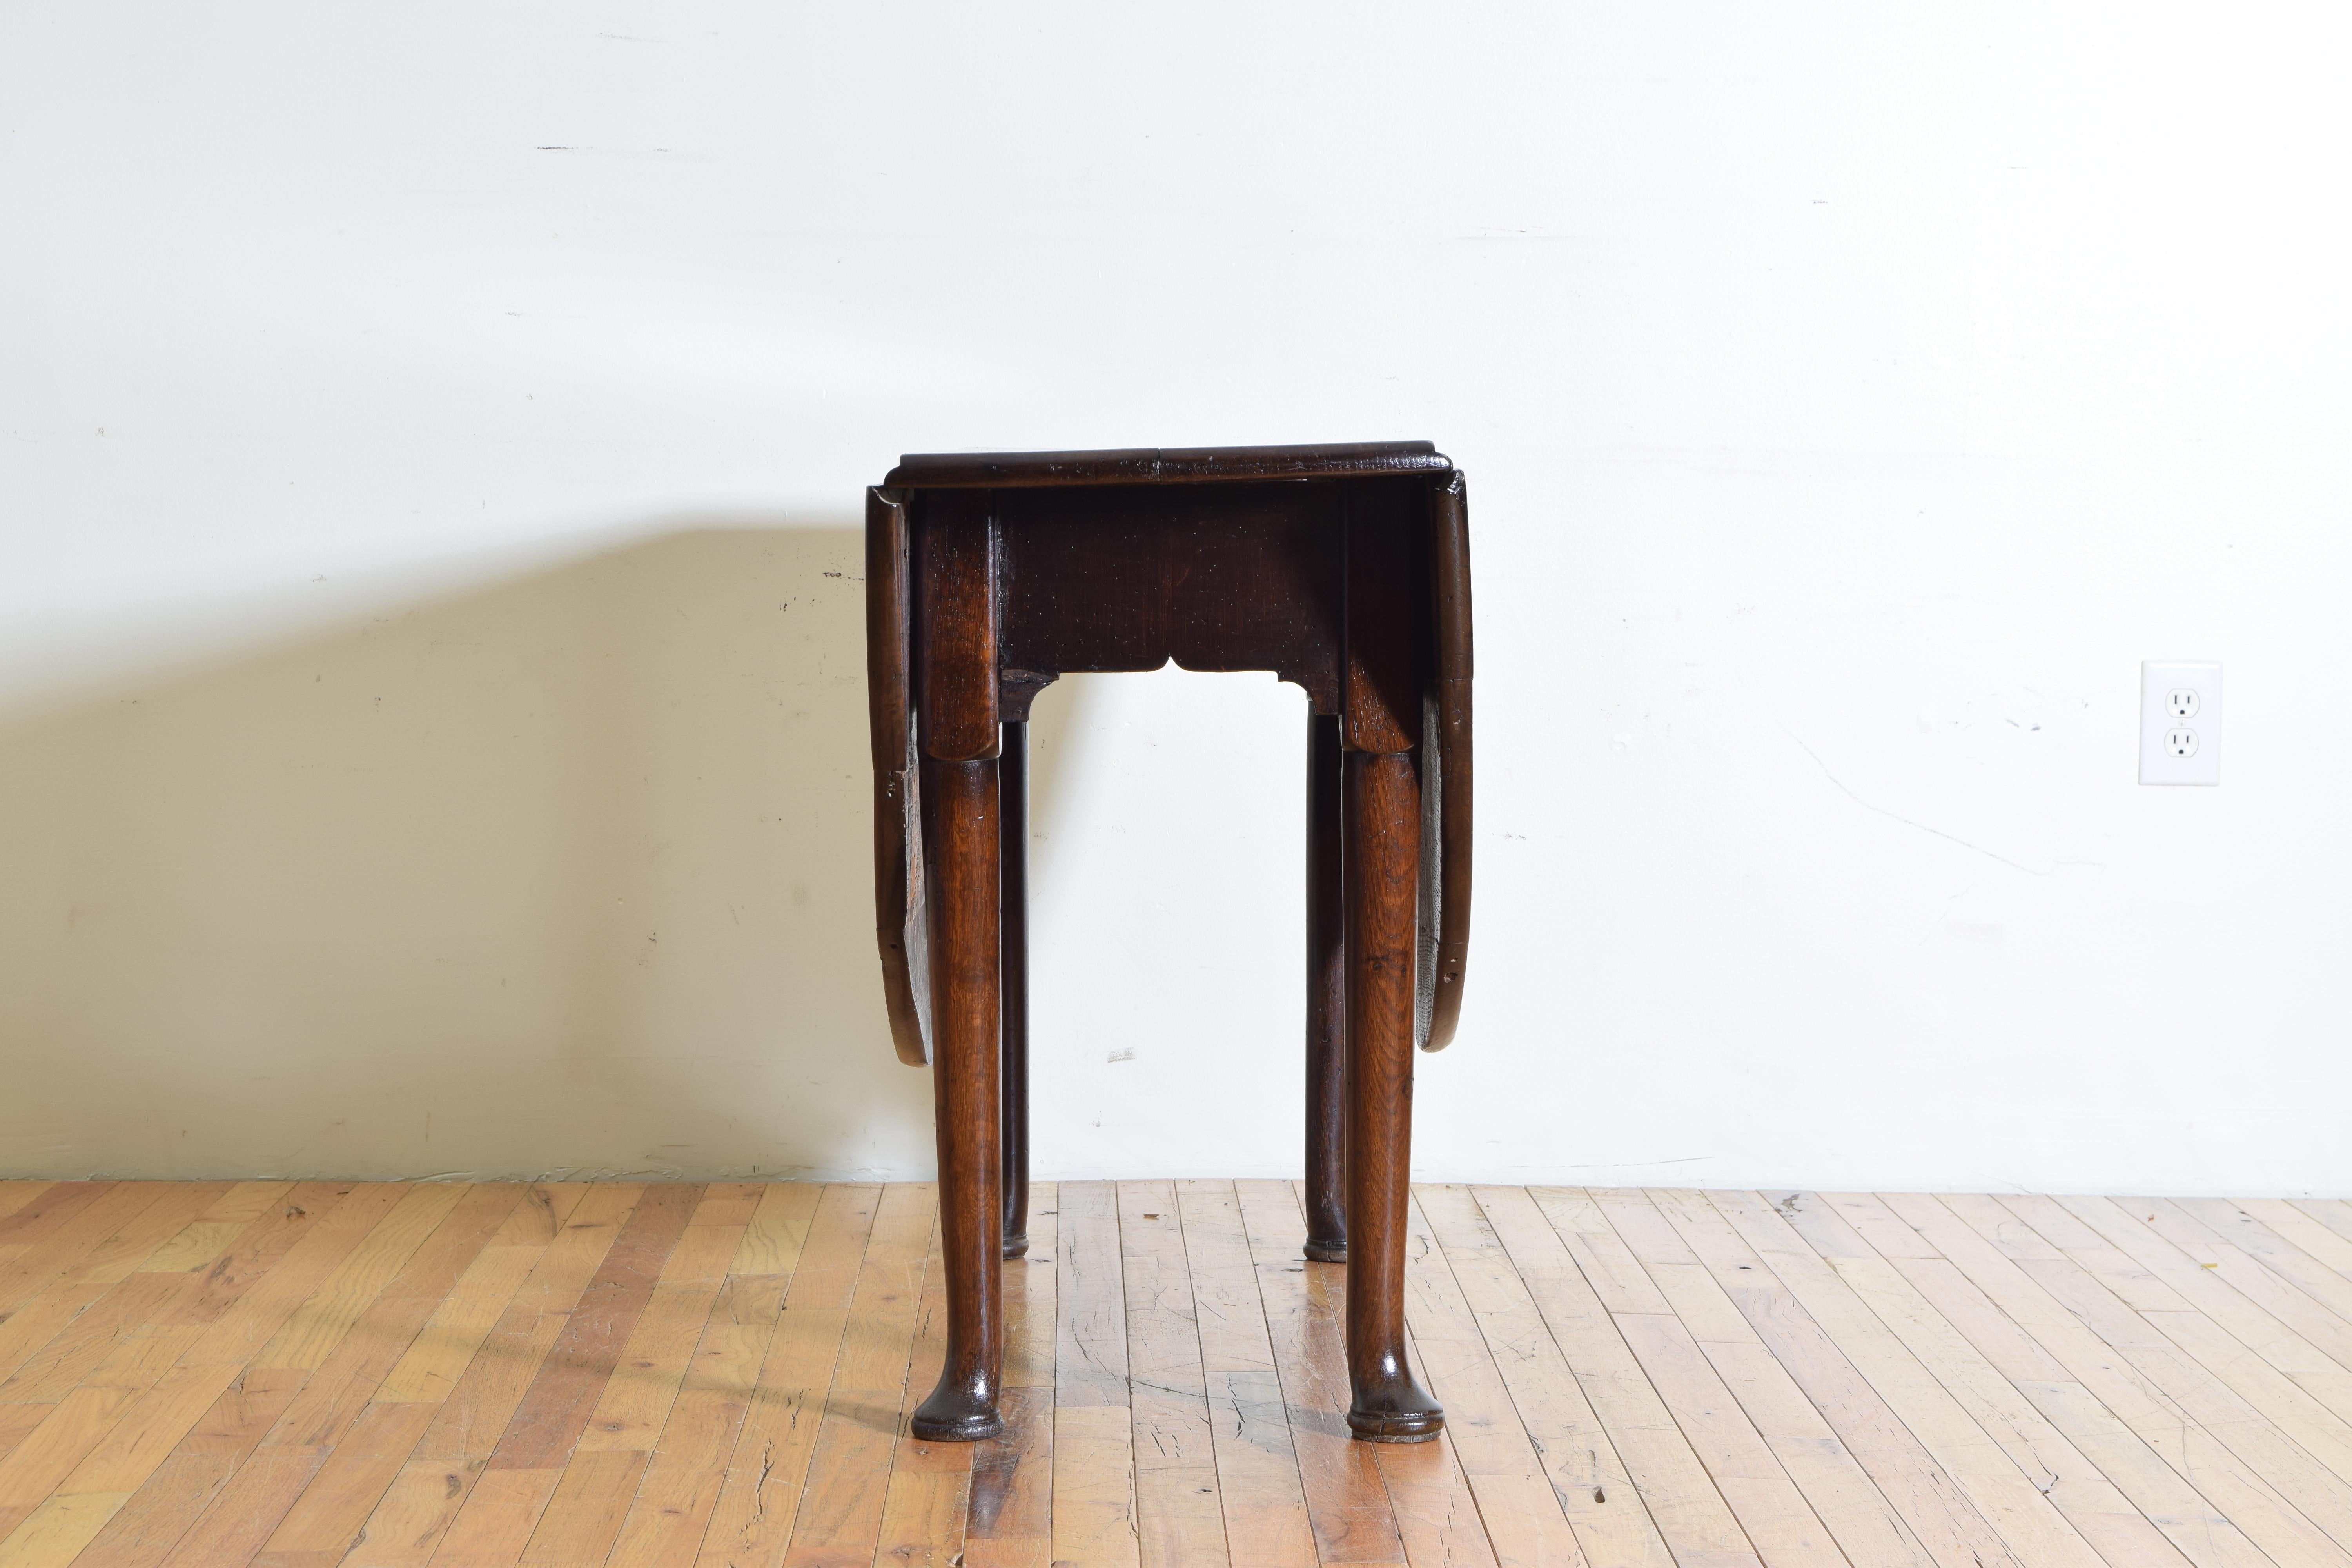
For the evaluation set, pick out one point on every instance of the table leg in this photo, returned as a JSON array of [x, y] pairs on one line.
[[1327, 993], [1383, 886], [1013, 788], [960, 802]]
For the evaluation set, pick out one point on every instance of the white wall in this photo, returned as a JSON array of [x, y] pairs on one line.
[[431, 696]]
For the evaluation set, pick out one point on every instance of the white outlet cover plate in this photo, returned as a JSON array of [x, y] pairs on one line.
[[2180, 709]]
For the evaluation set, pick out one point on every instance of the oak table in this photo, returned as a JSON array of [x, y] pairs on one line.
[[1344, 569]]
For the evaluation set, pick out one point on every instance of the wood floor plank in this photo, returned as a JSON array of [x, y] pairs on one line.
[[202, 1462], [1009, 1520], [2188, 1520], [312, 1330], [231, 1530], [653, 1364], [72, 1227], [1180, 1517], [252, 1318], [2253, 1410], [215, 1230], [2296, 1337], [1094, 1436], [298, 1376], [331, 1511], [923, 1511], [2204, 1345], [266, 1238], [1932, 1505], [39, 1216], [1437, 1519], [584, 1516], [760, 1497], [555, 1410], [2252, 1374], [1090, 1305], [2100, 1512], [75, 1425], [151, 1428], [351, 1372], [451, 1458], [1523, 1519], [1348, 1505], [1259, 1489], [1094, 1485], [673, 1504], [731, 1203], [2008, 1499], [58, 1530], [61, 1228], [497, 1519], [106, 1439], [131, 1244], [839, 1519], [415, 1513], [778, 1229], [493, 1382], [17, 1193], [2235, 1223], [193, 1474], [1439, 1522], [2014, 1269], [1009, 1515], [70, 1355], [17, 1423], [1696, 1521], [429, 1368], [1773, 1511], [2333, 1213], [1587, 1476], [2292, 1224], [1864, 1525]]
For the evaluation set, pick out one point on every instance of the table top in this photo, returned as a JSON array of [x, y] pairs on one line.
[[1156, 466]]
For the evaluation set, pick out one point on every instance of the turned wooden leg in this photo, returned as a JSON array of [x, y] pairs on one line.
[[1013, 788], [960, 800], [1382, 884], [1326, 994]]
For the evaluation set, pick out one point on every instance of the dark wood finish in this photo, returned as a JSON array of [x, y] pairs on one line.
[[1385, 639], [1383, 854], [1150, 465], [1216, 578], [1446, 773], [957, 561], [957, 585], [1344, 570], [1326, 998], [962, 837], [900, 919], [1012, 979]]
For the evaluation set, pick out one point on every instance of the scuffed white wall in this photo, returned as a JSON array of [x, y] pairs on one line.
[[431, 703]]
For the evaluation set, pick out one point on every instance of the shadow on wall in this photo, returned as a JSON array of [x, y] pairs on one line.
[[568, 876]]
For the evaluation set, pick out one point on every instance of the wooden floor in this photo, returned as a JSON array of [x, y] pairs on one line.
[[568, 1374]]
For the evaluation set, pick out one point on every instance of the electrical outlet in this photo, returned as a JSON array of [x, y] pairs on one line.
[[2179, 723]]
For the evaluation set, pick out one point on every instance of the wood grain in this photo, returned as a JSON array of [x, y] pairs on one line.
[[1344, 569], [556, 1410], [1010, 1505], [725, 1375], [1347, 1509], [1179, 1514], [1093, 1508]]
